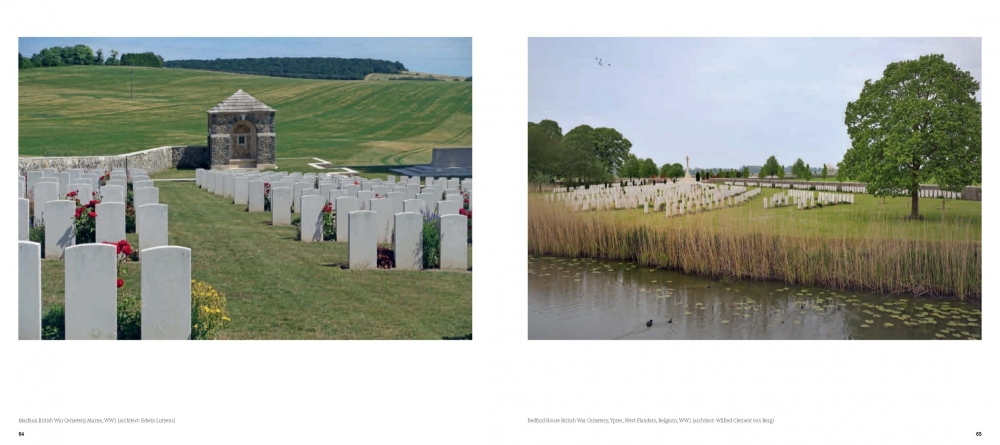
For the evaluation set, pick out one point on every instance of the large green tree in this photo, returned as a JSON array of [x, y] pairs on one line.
[[610, 147], [920, 122], [770, 168], [648, 168], [632, 168], [544, 153], [799, 168]]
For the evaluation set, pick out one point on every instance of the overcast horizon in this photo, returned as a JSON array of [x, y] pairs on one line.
[[726, 102], [449, 56]]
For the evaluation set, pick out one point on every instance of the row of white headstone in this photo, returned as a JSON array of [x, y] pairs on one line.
[[378, 209], [806, 200], [91, 292], [57, 212]]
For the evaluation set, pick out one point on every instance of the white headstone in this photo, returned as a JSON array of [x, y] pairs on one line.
[[229, 186], [199, 176], [151, 225], [59, 227], [137, 185], [312, 218], [29, 290], [384, 221], [44, 192], [362, 247], [110, 222], [91, 292], [414, 206], [143, 196], [22, 220], [281, 206], [220, 184], [166, 293], [345, 205], [255, 196], [33, 177], [240, 190], [397, 201], [430, 202], [448, 208], [64, 179], [454, 242], [297, 195], [115, 193], [209, 183], [364, 197], [409, 246]]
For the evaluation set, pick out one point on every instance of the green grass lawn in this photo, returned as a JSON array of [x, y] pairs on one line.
[[868, 216], [279, 288], [86, 110]]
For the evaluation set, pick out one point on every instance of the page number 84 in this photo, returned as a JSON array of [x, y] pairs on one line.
[[979, 433]]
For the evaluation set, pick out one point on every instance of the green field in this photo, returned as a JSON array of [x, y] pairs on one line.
[[279, 288], [86, 110]]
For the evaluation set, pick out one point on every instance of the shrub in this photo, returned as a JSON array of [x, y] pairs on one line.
[[432, 241], [386, 258], [297, 221], [36, 234], [129, 219], [54, 323], [329, 223], [208, 311], [267, 197], [85, 220], [129, 316]]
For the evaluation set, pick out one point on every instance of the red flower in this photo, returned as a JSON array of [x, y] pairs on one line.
[[122, 243], [121, 283], [92, 214], [93, 193], [127, 249], [461, 212], [71, 194], [267, 184]]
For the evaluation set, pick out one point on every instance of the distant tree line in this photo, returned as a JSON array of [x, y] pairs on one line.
[[83, 55], [297, 67]]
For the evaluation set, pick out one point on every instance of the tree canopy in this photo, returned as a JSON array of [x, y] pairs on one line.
[[582, 155], [920, 122], [770, 168]]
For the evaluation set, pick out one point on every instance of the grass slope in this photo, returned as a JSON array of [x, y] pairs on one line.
[[86, 110], [279, 288]]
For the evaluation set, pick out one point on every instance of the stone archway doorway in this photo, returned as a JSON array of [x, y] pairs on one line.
[[243, 138]]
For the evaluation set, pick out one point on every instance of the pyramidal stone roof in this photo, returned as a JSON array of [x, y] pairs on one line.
[[240, 102]]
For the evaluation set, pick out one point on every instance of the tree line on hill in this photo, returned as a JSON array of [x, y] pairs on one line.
[[84, 55], [297, 67]]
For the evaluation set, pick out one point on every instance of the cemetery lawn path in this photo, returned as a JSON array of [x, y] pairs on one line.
[[279, 288], [86, 111]]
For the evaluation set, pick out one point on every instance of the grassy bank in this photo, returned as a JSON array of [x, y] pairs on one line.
[[866, 246], [86, 110], [279, 288]]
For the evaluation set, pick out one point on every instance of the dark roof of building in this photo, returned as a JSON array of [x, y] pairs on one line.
[[240, 102]]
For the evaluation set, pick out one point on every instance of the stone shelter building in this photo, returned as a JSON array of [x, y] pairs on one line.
[[241, 134]]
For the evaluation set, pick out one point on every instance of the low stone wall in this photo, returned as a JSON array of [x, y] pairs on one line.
[[153, 160], [970, 193]]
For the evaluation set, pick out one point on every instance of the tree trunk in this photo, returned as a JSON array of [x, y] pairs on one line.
[[915, 206]]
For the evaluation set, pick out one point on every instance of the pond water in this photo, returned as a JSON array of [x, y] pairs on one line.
[[595, 299]]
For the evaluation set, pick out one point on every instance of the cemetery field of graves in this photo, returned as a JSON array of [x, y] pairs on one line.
[[280, 274], [72, 110], [866, 244]]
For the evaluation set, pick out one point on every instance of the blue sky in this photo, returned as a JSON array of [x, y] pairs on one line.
[[451, 56], [726, 102]]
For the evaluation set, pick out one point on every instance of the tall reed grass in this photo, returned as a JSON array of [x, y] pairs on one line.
[[877, 253]]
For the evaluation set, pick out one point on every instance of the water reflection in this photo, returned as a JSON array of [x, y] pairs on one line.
[[595, 299]]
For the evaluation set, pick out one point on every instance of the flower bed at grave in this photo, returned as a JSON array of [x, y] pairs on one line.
[[329, 223], [85, 219], [386, 258], [208, 306], [267, 197], [432, 240]]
